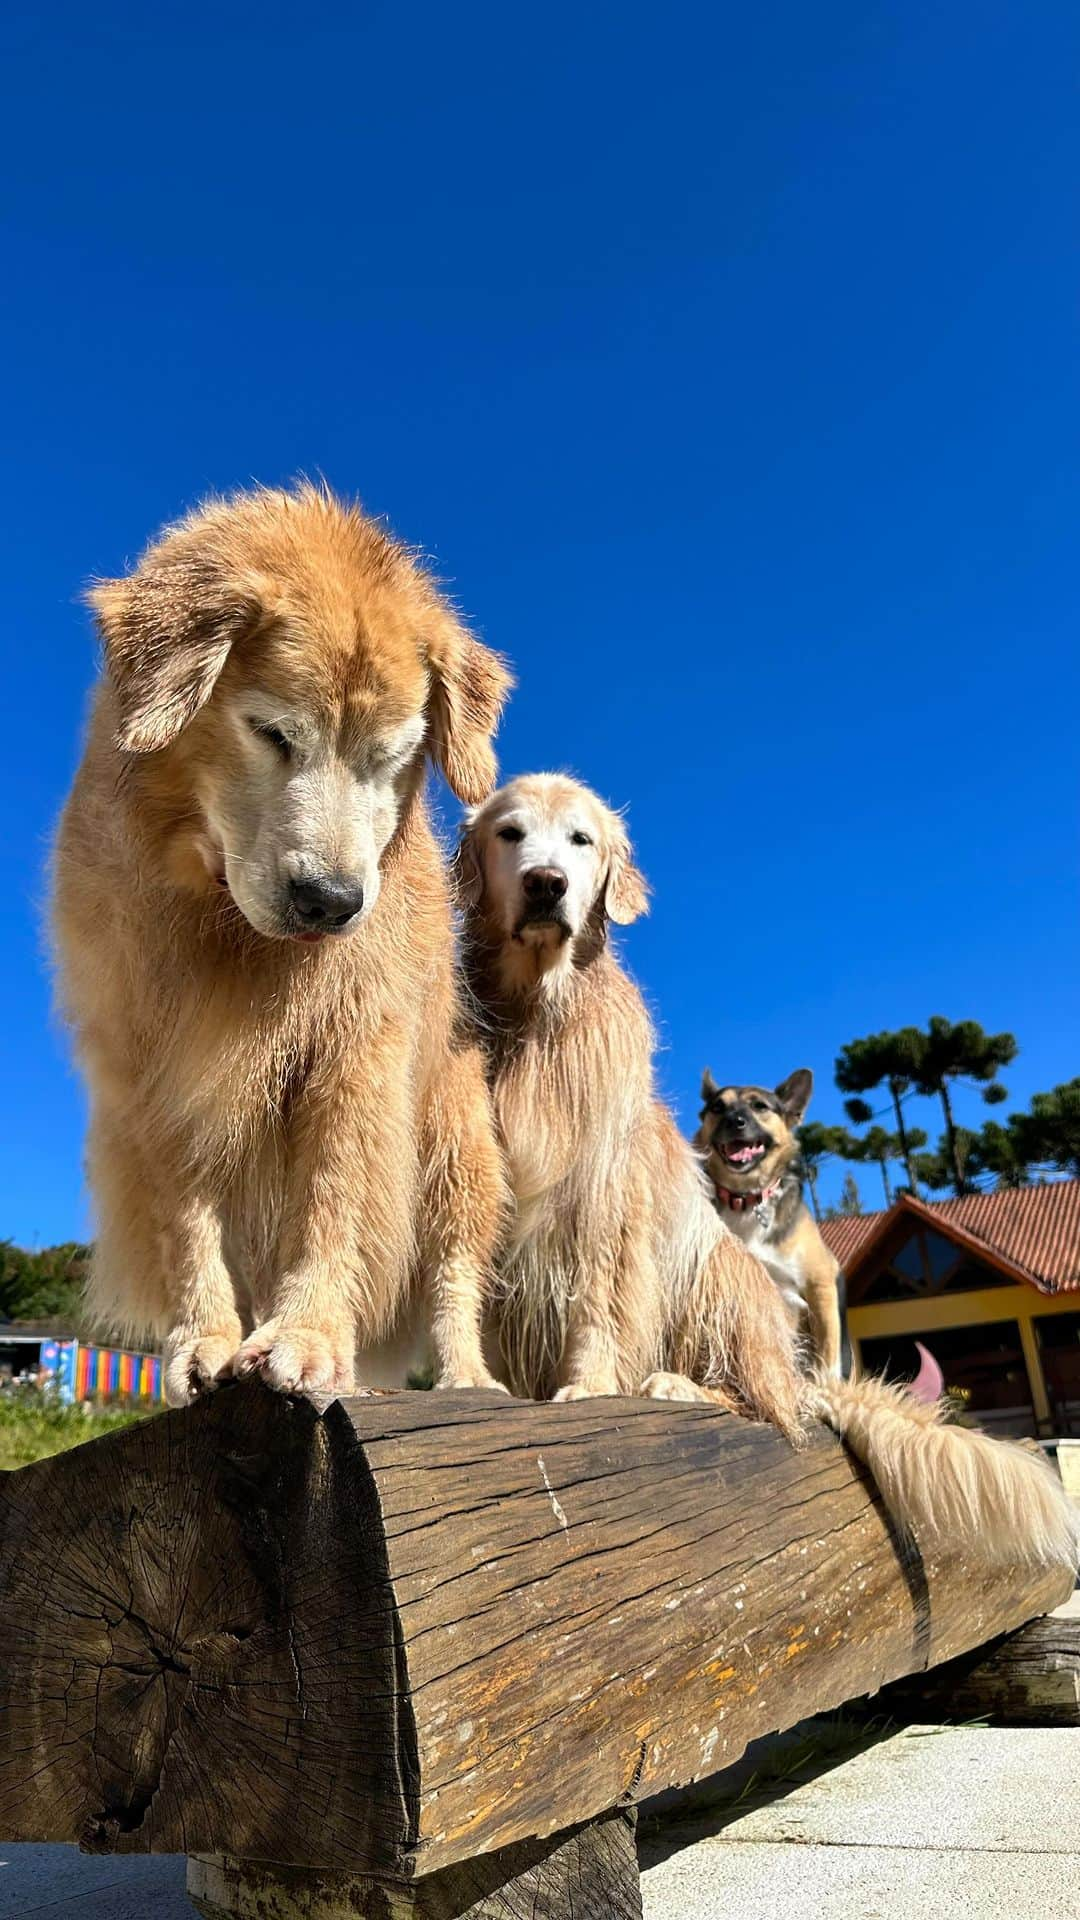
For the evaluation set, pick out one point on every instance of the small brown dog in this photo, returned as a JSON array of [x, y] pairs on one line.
[[748, 1141], [617, 1275], [256, 949]]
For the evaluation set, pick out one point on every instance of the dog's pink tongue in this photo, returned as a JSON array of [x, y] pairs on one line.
[[929, 1383], [740, 1153]]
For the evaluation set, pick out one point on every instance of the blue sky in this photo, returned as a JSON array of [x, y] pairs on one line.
[[725, 360]]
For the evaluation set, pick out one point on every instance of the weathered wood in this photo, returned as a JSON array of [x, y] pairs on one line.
[[590, 1873], [1030, 1678], [425, 1627]]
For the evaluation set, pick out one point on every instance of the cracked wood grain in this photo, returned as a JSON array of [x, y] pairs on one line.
[[421, 1628]]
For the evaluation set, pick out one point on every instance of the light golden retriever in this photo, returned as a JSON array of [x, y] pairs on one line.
[[616, 1274], [255, 941]]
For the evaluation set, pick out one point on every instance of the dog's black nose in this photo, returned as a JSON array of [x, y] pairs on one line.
[[544, 883], [737, 1119], [324, 905]]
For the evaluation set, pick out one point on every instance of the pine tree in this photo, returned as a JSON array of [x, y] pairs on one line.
[[878, 1147], [998, 1150], [1050, 1134], [815, 1144], [850, 1201], [892, 1058], [937, 1169], [960, 1052]]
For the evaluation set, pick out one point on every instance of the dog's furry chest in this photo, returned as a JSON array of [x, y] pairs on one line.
[[779, 1253]]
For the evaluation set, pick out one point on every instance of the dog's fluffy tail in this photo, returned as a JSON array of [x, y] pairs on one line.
[[948, 1485]]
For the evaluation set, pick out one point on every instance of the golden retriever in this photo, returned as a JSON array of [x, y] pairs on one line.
[[616, 1274], [255, 945]]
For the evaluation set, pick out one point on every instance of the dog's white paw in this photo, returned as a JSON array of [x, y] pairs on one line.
[[470, 1380], [587, 1390], [196, 1364], [298, 1359], [672, 1386]]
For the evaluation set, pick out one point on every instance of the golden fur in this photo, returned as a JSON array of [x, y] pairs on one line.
[[286, 1132], [616, 1274], [952, 1488]]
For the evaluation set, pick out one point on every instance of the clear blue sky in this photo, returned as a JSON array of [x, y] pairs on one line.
[[725, 359]]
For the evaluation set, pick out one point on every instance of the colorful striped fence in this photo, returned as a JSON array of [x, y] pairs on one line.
[[91, 1372]]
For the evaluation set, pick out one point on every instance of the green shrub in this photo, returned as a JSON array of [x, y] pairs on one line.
[[34, 1424]]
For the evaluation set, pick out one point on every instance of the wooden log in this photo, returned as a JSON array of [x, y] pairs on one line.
[[421, 1628], [590, 1873], [1030, 1678]]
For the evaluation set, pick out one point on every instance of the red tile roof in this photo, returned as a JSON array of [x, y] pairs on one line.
[[1032, 1231]]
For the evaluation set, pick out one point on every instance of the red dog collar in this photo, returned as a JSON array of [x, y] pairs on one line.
[[742, 1202]]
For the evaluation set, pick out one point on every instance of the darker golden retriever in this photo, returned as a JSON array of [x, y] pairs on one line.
[[288, 1133]]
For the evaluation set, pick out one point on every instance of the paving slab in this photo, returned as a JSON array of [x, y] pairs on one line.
[[982, 1820], [777, 1882], [60, 1883]]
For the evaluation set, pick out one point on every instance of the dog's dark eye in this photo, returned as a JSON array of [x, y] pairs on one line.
[[509, 833], [579, 839], [274, 736]]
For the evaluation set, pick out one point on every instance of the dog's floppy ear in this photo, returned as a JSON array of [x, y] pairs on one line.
[[168, 629], [469, 684], [793, 1095], [626, 893], [466, 870]]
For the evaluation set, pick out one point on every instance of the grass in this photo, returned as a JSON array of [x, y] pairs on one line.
[[34, 1425]]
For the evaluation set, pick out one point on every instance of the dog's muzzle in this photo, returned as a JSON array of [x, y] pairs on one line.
[[544, 890]]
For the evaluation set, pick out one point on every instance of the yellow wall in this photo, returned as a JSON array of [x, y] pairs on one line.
[[921, 1315]]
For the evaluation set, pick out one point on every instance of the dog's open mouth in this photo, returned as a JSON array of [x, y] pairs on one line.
[[743, 1153]]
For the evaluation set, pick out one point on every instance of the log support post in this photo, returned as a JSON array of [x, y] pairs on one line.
[[590, 1873]]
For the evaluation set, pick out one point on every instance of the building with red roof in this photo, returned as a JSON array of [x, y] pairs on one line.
[[989, 1284]]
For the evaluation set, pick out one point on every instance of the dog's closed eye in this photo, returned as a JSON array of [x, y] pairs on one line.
[[511, 834], [273, 736]]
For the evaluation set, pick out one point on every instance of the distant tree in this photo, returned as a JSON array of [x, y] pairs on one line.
[[815, 1144], [960, 1052], [879, 1147], [43, 1285], [892, 1059], [1049, 1135], [999, 1150], [850, 1200], [937, 1169]]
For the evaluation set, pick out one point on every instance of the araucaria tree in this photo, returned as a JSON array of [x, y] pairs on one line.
[[961, 1052], [1050, 1134], [815, 1144], [892, 1058], [879, 1147]]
